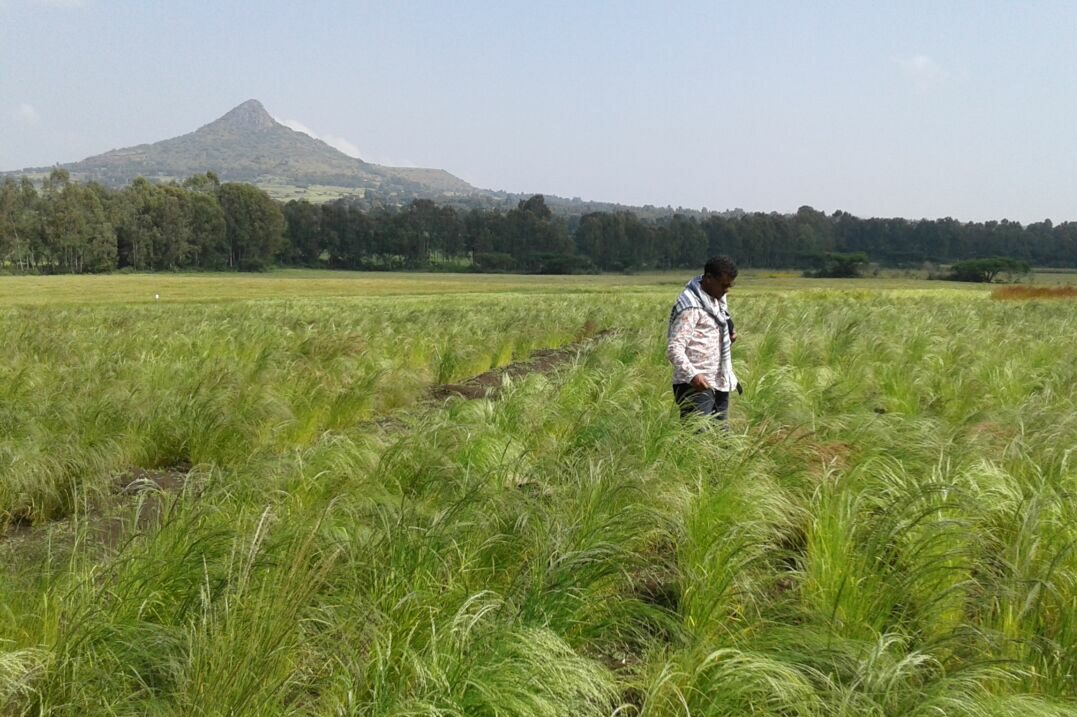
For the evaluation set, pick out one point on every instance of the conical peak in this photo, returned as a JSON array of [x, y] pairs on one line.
[[249, 115]]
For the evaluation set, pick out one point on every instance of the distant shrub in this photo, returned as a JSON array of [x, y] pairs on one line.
[[254, 264], [493, 261], [840, 266], [986, 270], [551, 263]]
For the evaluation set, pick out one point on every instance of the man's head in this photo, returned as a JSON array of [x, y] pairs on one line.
[[719, 273]]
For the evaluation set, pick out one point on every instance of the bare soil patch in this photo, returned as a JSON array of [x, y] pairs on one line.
[[105, 526], [488, 385]]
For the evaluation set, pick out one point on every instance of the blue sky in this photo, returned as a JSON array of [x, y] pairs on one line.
[[915, 109]]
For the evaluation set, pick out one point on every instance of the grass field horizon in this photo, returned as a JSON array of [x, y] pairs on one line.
[[887, 530], [320, 283]]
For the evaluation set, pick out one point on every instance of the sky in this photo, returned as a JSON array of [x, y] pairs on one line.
[[912, 109]]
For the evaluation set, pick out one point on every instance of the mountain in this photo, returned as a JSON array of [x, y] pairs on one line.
[[248, 145]]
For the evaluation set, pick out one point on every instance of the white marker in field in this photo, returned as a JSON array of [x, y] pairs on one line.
[[156, 297]]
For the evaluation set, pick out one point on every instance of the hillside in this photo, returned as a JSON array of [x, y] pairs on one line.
[[248, 145]]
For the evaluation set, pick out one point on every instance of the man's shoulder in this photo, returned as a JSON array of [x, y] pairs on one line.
[[688, 311]]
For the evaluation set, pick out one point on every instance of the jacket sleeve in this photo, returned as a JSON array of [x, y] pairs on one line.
[[679, 333]]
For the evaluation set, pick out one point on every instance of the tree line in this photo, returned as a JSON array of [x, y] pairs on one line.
[[70, 227]]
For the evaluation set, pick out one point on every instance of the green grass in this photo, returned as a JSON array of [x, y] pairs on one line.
[[316, 193], [888, 530], [288, 284], [88, 392]]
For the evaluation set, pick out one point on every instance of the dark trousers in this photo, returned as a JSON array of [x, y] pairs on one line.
[[701, 403]]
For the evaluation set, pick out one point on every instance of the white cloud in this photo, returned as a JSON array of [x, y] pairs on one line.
[[26, 114], [342, 144], [333, 141], [385, 162], [922, 71], [297, 126], [345, 145], [60, 3]]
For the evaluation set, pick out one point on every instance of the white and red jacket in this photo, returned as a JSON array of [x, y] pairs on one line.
[[699, 338]]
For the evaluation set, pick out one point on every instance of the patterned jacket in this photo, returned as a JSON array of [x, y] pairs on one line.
[[698, 338]]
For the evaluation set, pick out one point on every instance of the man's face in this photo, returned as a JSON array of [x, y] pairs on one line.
[[717, 286]]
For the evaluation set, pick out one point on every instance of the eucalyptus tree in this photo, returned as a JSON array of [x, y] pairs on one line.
[[20, 224], [254, 226], [77, 235]]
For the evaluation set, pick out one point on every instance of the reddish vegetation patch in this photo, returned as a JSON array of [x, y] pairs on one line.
[[803, 444], [993, 434], [783, 434], [834, 454], [1017, 293]]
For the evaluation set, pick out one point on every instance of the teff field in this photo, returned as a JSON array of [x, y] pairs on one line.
[[243, 498]]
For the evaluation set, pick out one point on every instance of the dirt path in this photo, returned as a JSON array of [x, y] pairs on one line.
[[543, 361]]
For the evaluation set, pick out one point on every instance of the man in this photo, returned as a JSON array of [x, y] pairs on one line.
[[701, 335]]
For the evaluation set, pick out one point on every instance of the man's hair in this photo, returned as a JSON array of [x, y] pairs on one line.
[[720, 264]]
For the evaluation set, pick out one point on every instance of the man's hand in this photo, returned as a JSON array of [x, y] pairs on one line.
[[700, 383], [732, 336]]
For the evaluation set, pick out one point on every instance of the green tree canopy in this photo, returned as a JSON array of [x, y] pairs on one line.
[[986, 270], [254, 226]]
